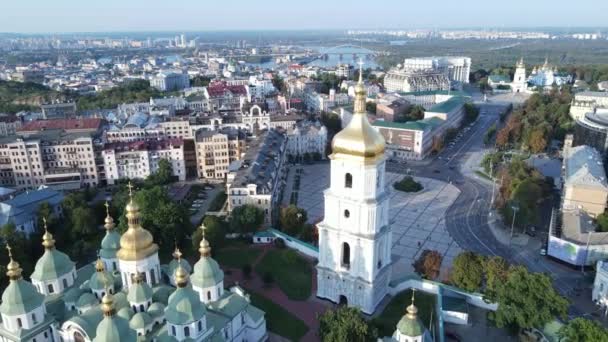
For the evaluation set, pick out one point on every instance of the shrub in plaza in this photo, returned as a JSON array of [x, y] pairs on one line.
[[408, 184]]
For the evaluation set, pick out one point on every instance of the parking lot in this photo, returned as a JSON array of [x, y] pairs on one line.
[[417, 219]]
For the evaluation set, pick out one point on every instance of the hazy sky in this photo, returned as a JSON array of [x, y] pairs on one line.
[[193, 15]]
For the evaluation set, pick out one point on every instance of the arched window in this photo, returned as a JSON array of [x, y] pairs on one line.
[[346, 213], [19, 324], [173, 330], [200, 326], [141, 307], [187, 331], [208, 295], [34, 318], [348, 180], [152, 277], [65, 283], [345, 255], [50, 287]]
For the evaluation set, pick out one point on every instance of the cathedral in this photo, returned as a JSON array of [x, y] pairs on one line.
[[127, 296], [354, 265]]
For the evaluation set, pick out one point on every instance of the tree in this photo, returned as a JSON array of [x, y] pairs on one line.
[[602, 222], [537, 142], [279, 83], [292, 220], [200, 81], [428, 264], [583, 330], [332, 122], [215, 232], [246, 219], [467, 271], [345, 324], [471, 113], [408, 184], [527, 300], [162, 176], [496, 271]]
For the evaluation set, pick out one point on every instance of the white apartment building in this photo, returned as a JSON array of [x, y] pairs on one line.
[[55, 158], [139, 159], [9, 125], [306, 137], [402, 80], [170, 81], [587, 102], [215, 150], [457, 69], [258, 178]]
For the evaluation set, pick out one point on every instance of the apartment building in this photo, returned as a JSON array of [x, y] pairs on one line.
[[258, 178], [139, 159], [56, 158], [306, 137], [215, 150]]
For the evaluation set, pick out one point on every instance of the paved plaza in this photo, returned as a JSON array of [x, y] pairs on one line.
[[417, 219]]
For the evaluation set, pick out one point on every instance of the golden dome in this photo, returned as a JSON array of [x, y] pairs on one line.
[[136, 243], [13, 270], [204, 248], [109, 221], [107, 304], [99, 266], [359, 139], [181, 276], [47, 239]]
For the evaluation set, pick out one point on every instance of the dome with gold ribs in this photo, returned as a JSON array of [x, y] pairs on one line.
[[136, 243], [359, 139]]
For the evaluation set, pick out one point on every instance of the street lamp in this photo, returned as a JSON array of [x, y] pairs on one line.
[[515, 209]]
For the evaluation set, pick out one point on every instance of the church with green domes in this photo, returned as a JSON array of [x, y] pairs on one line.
[[126, 295]]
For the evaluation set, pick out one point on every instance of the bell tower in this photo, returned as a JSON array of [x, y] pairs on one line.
[[520, 82], [355, 237]]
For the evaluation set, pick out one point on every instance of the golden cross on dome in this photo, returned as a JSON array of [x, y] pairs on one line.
[[130, 186], [107, 205], [203, 228], [10, 251], [360, 69], [44, 221]]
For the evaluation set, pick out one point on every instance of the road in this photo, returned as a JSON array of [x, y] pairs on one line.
[[467, 218]]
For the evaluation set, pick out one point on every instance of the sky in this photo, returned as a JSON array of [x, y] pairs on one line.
[[52, 16]]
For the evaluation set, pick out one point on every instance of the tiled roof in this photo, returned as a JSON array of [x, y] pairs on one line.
[[65, 124], [144, 145], [583, 166], [449, 105]]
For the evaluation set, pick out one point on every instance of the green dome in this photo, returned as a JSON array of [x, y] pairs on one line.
[[20, 297], [114, 328], [184, 307], [125, 313], [120, 301], [139, 293], [207, 273], [52, 265], [99, 280], [410, 325], [173, 266], [72, 295], [87, 299], [140, 321], [156, 309], [110, 245]]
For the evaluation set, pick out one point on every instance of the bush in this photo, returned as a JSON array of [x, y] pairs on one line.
[[279, 243], [267, 278], [246, 271], [408, 184], [428, 264], [218, 201]]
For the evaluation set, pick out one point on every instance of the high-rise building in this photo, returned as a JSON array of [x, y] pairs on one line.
[[355, 236]]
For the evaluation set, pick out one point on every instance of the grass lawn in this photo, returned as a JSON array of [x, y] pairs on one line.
[[291, 272], [236, 255], [396, 308], [279, 320]]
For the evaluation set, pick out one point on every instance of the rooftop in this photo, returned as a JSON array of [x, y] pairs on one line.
[[578, 227], [583, 166], [64, 124], [419, 125], [449, 105], [145, 145]]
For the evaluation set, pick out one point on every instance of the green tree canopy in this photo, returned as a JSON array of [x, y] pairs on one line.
[[467, 271], [527, 300], [583, 330], [246, 219], [215, 233], [293, 219], [162, 176], [345, 324]]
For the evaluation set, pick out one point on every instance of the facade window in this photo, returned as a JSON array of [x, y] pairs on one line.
[[173, 332], [65, 283], [345, 255], [348, 181], [200, 326], [187, 331], [34, 318], [50, 287], [208, 295], [346, 213], [19, 324]]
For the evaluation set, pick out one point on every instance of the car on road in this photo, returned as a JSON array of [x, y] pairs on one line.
[[543, 252]]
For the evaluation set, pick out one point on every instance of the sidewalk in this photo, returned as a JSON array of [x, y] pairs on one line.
[[503, 234]]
